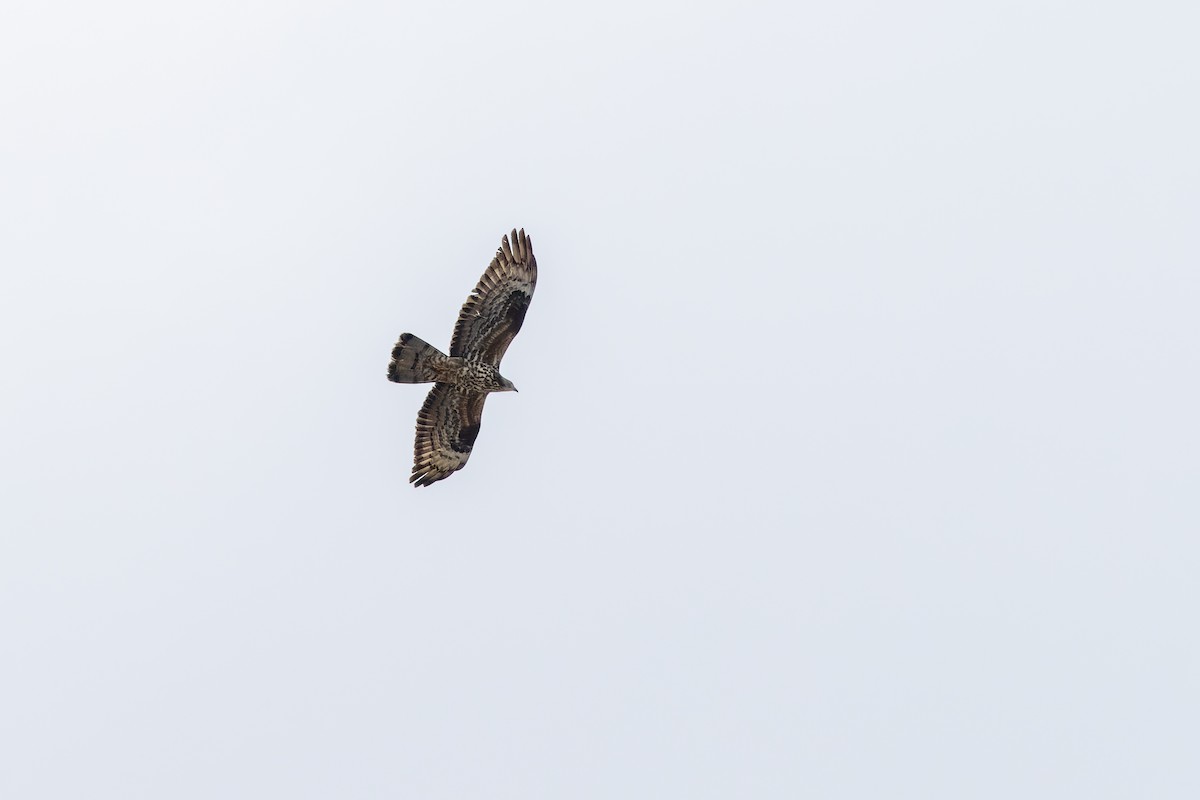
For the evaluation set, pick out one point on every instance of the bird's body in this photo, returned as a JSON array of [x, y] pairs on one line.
[[449, 420], [472, 375]]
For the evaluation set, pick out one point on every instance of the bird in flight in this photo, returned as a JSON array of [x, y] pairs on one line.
[[449, 420]]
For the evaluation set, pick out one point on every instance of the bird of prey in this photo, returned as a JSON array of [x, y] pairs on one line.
[[449, 421]]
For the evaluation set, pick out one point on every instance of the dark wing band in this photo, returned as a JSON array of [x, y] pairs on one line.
[[494, 312], [446, 429]]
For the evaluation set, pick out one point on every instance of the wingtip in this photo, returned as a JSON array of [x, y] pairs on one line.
[[521, 246]]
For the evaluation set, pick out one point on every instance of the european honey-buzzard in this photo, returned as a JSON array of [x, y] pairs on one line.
[[449, 420]]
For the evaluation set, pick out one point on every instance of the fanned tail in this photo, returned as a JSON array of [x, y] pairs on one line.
[[415, 361]]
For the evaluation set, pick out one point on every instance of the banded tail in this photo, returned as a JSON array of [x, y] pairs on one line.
[[416, 361]]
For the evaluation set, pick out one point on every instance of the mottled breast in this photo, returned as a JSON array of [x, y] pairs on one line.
[[478, 376]]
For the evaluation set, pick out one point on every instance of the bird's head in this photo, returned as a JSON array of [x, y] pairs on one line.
[[505, 384]]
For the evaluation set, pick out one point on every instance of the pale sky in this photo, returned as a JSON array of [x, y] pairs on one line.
[[856, 452]]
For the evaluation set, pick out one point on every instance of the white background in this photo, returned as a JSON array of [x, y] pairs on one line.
[[856, 448]]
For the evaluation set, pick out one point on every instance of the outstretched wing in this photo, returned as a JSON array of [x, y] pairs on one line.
[[494, 312], [446, 429]]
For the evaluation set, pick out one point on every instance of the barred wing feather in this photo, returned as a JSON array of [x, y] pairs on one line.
[[494, 312], [446, 429]]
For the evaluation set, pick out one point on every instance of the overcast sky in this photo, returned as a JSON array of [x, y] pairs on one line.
[[856, 453]]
